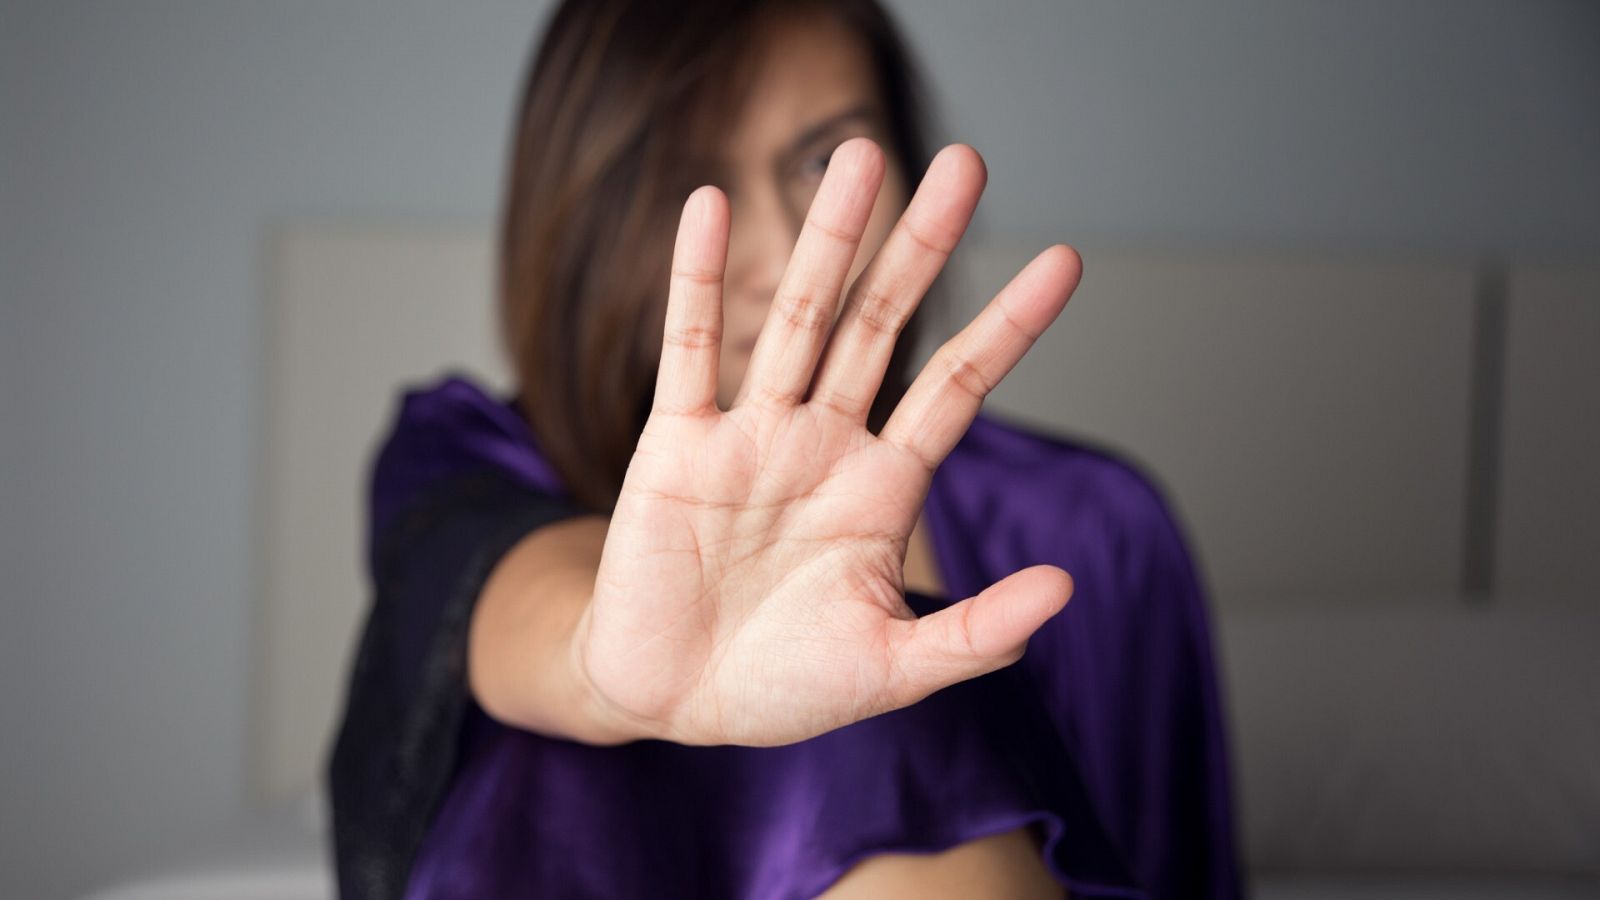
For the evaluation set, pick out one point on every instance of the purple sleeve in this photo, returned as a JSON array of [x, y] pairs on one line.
[[1128, 669], [448, 428]]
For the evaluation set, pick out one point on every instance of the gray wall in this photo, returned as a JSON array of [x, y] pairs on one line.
[[15, 748], [1435, 126], [160, 142], [147, 150]]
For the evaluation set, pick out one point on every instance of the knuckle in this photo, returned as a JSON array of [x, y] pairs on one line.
[[693, 337], [839, 402], [964, 630], [878, 311], [929, 239], [1014, 324], [965, 375], [769, 397], [806, 308], [831, 231], [697, 276]]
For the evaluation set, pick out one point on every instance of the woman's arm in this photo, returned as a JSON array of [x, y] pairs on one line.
[[521, 663]]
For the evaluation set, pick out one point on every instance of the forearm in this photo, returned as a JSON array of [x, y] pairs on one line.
[[523, 663]]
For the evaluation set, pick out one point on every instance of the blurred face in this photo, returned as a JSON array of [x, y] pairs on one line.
[[813, 90]]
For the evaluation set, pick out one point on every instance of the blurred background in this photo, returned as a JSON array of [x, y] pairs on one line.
[[1341, 296]]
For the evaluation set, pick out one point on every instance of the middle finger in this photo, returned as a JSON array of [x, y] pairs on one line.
[[885, 295], [802, 312]]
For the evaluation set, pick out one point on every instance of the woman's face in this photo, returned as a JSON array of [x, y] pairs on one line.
[[814, 88]]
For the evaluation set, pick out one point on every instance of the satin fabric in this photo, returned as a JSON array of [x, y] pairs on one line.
[[1107, 736]]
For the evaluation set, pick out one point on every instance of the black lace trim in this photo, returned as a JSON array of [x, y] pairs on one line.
[[395, 751]]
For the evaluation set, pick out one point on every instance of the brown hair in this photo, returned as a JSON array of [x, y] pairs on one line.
[[614, 100]]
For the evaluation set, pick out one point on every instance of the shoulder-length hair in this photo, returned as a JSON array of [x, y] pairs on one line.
[[617, 95]]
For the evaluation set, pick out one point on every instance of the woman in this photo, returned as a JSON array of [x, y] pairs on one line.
[[672, 621]]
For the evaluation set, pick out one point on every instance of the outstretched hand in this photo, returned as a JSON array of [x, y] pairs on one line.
[[750, 588]]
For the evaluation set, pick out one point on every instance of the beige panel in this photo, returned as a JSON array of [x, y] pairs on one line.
[[1549, 505], [352, 315], [1422, 736], [1308, 416]]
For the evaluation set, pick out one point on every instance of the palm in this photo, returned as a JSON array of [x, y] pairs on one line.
[[750, 589], [775, 573]]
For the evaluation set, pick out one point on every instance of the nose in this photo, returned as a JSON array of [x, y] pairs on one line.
[[763, 231]]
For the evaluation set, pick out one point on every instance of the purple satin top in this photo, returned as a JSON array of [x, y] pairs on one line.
[[1107, 735]]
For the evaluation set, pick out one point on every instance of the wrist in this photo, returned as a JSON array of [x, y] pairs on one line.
[[606, 722]]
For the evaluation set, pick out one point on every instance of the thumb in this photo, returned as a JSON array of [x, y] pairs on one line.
[[974, 637]]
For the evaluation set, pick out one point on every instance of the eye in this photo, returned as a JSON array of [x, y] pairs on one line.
[[813, 166]]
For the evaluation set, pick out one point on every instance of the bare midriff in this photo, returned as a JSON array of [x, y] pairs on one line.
[[1007, 865]]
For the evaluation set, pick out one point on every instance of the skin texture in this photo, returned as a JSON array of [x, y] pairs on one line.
[[748, 588]]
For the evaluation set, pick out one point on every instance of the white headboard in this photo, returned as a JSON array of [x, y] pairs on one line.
[[353, 313]]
